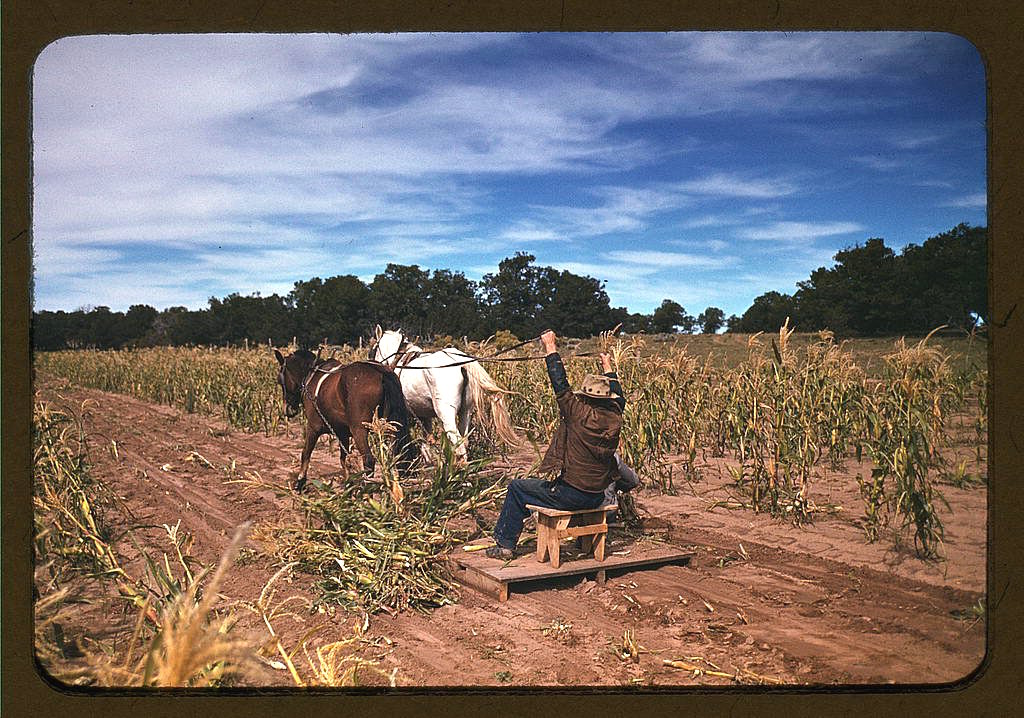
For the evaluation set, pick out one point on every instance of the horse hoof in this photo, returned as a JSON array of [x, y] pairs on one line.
[[300, 484]]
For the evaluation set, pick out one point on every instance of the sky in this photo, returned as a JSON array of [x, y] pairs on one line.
[[703, 167]]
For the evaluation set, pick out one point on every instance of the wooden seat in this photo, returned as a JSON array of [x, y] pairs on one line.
[[553, 525]]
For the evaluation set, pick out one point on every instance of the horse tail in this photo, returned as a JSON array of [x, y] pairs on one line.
[[394, 408], [488, 400]]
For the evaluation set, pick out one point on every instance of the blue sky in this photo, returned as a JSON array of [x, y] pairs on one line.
[[704, 167]]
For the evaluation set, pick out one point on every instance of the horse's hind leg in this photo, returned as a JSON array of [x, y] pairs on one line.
[[345, 442], [447, 414], [465, 415], [360, 438]]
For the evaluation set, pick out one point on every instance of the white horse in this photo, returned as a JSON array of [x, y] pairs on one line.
[[446, 385]]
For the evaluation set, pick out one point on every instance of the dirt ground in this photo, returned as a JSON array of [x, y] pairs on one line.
[[761, 598]]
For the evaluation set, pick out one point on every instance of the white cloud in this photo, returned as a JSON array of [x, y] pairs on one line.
[[711, 220], [623, 210], [799, 230], [629, 210], [721, 184], [603, 270], [908, 141], [971, 201], [764, 57], [665, 260], [119, 290], [529, 232], [61, 261], [878, 162]]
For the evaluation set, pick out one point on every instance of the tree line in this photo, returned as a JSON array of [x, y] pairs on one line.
[[520, 297], [870, 291]]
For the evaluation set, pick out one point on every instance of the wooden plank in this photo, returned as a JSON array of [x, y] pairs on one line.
[[588, 530], [526, 568], [482, 582], [558, 512]]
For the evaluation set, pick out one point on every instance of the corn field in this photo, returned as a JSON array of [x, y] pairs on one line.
[[182, 636], [783, 409]]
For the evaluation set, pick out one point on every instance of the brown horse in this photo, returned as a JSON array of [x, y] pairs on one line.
[[341, 399]]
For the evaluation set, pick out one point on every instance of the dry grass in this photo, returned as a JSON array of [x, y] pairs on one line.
[[378, 545], [334, 664], [178, 638], [181, 642]]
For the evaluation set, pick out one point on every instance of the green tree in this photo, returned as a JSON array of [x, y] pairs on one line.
[[51, 330], [236, 319], [398, 298], [768, 312], [945, 280], [336, 309], [516, 293], [632, 322], [167, 327], [101, 328], [138, 323], [859, 296], [711, 320], [452, 305], [670, 317], [577, 307]]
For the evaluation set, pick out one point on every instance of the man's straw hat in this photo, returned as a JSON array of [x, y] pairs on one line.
[[597, 386]]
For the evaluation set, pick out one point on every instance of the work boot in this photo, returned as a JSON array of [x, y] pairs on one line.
[[500, 552]]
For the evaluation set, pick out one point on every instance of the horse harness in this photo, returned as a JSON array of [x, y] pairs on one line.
[[404, 358], [316, 392]]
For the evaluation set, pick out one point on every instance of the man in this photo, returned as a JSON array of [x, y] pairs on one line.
[[581, 455]]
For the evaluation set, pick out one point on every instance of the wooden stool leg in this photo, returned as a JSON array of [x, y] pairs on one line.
[[555, 540], [586, 544], [600, 540], [599, 544], [543, 529]]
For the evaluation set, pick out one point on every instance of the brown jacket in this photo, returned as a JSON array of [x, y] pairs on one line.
[[582, 450]]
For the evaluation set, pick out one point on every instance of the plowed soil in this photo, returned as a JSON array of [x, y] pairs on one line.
[[761, 599]]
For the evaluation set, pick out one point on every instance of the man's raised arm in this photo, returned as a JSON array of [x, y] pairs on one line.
[[556, 370], [606, 367]]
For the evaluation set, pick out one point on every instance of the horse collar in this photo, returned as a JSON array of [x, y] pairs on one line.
[[324, 373], [407, 358]]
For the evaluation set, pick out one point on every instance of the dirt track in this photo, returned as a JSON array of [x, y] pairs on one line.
[[804, 605]]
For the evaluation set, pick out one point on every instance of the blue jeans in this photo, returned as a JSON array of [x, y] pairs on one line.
[[550, 494]]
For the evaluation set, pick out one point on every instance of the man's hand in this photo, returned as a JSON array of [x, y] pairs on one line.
[[547, 340], [606, 362]]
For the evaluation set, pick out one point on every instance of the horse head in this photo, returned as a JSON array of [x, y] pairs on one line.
[[294, 369], [389, 346]]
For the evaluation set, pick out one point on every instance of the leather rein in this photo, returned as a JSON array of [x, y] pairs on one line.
[[403, 358]]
